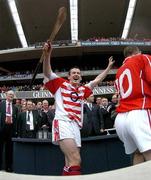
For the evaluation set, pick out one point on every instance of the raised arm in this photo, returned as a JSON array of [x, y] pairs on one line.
[[101, 76], [47, 50]]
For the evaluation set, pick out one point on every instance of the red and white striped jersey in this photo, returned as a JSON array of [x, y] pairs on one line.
[[69, 100], [133, 83]]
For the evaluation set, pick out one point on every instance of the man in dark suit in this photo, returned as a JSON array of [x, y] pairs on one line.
[[8, 129], [93, 123], [29, 122], [49, 113], [108, 122]]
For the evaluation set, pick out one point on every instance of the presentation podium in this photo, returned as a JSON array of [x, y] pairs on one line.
[[41, 157]]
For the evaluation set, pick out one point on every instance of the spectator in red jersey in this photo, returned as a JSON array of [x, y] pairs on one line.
[[133, 122], [69, 98]]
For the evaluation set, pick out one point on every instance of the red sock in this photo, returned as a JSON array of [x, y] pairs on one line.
[[74, 170], [65, 171]]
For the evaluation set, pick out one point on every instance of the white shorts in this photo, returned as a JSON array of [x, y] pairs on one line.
[[64, 130], [134, 129]]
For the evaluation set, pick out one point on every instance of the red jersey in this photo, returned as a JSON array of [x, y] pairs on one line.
[[69, 100], [133, 83]]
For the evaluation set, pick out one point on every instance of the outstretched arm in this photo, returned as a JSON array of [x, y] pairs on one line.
[[101, 76], [47, 49]]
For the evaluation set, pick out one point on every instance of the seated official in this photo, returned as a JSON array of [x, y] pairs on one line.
[[29, 122]]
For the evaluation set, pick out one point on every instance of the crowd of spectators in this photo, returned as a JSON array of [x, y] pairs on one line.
[[27, 75], [37, 87], [102, 113], [101, 108], [13, 75], [40, 87]]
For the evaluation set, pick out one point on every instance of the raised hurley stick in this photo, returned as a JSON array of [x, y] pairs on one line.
[[62, 13], [4, 70]]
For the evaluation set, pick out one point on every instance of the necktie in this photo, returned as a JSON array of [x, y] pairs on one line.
[[90, 106], [28, 117], [28, 121], [8, 115]]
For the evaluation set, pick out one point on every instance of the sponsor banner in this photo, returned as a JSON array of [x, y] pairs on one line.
[[46, 94], [104, 90], [115, 43], [29, 94]]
